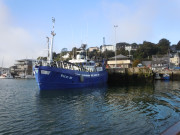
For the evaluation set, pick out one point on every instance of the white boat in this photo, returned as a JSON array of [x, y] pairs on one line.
[[22, 76], [6, 76], [4, 73], [30, 77]]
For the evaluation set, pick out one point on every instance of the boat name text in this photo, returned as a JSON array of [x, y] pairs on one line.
[[66, 76]]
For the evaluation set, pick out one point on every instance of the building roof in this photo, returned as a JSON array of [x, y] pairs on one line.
[[94, 47], [120, 56], [105, 45], [22, 60], [146, 63]]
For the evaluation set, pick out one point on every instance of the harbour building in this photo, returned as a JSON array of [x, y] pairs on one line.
[[121, 62], [23, 68]]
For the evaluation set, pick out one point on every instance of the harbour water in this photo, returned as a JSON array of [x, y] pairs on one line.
[[125, 110]]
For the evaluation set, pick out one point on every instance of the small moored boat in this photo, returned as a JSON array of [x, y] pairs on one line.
[[6, 76], [159, 76]]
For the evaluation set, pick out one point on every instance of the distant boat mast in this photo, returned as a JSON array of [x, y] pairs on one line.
[[52, 39], [2, 64]]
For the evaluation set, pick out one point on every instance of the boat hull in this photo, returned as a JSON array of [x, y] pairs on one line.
[[52, 78], [6, 77], [166, 78], [162, 76]]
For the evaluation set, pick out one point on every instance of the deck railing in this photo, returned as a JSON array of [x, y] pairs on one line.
[[68, 65]]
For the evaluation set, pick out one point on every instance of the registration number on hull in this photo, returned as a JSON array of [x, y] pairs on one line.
[[66, 76]]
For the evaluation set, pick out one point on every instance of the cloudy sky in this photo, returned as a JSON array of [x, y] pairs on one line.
[[25, 24]]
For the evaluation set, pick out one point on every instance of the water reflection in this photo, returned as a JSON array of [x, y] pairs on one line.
[[153, 105], [100, 90], [70, 110], [141, 109]]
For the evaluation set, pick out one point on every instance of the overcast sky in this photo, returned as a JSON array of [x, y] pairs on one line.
[[25, 24]]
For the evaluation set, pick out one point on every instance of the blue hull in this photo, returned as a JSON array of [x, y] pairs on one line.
[[166, 78], [52, 78]]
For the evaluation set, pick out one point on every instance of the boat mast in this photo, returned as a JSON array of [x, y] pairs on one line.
[[52, 38], [2, 65], [86, 40], [48, 46]]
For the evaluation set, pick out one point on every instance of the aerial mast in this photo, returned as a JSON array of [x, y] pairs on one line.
[[52, 39]]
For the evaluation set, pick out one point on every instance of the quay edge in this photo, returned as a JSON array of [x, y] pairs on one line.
[[137, 75], [130, 75]]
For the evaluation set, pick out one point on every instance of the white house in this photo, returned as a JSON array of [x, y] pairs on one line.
[[175, 60], [107, 47], [66, 56], [93, 48], [131, 47]]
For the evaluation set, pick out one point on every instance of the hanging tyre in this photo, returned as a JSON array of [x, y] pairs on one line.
[[81, 78]]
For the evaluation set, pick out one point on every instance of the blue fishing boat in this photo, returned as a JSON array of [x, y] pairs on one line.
[[77, 73]]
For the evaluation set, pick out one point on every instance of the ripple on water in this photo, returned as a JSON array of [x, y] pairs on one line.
[[103, 110]]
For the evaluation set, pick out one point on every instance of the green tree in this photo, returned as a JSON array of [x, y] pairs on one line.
[[178, 46], [163, 46], [94, 54], [41, 58], [146, 50], [136, 62], [108, 54], [122, 51], [54, 55]]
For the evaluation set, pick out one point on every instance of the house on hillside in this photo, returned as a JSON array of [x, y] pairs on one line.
[[91, 49], [160, 62], [147, 63], [173, 48], [66, 56], [127, 46], [103, 48], [121, 62], [131, 47], [121, 45], [175, 60]]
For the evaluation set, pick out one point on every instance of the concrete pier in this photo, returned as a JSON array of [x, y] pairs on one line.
[[129, 75]]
